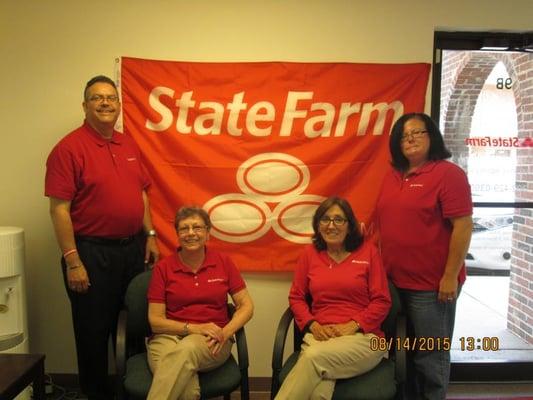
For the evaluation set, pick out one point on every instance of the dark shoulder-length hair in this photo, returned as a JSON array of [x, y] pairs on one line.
[[353, 238], [437, 149], [190, 211]]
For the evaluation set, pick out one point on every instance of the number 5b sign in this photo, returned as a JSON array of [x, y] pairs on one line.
[[260, 145]]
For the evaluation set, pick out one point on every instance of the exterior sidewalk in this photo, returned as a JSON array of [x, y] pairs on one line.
[[482, 312]]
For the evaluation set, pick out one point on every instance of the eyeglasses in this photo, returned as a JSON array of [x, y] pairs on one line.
[[98, 98], [413, 135], [337, 221], [184, 230]]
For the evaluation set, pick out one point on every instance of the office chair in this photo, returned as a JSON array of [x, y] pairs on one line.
[[385, 381], [133, 373]]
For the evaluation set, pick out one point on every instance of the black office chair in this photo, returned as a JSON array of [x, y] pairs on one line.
[[384, 382], [133, 373]]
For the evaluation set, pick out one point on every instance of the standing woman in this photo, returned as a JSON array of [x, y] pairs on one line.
[[187, 310], [425, 224], [350, 298]]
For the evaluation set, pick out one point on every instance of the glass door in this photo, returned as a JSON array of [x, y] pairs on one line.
[[483, 100]]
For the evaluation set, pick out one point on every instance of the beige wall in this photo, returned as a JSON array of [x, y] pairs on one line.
[[49, 49]]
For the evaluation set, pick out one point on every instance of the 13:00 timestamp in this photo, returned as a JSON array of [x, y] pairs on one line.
[[486, 343]]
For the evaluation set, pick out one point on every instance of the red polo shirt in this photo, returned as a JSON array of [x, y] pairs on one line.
[[199, 297], [103, 179], [413, 222], [356, 289]]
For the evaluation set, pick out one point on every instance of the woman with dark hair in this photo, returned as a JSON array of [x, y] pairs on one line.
[[425, 224], [350, 298], [187, 310]]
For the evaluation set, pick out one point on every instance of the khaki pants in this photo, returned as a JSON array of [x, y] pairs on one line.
[[322, 362], [175, 363]]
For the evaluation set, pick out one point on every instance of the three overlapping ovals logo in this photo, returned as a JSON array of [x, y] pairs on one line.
[[272, 186]]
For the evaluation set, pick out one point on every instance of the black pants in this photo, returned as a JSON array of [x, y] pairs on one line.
[[94, 314]]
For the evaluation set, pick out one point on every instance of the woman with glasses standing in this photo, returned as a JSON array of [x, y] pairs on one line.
[[425, 223], [350, 298], [187, 310]]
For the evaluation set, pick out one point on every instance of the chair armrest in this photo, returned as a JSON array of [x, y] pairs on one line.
[[279, 349], [242, 356], [240, 339], [242, 348], [401, 353]]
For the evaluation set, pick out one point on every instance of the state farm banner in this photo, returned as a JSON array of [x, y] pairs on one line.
[[260, 145]]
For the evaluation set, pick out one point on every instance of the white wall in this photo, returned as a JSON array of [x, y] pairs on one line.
[[49, 49]]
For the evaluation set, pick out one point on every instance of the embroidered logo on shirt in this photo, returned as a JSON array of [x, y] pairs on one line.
[[360, 262], [416, 185], [215, 280]]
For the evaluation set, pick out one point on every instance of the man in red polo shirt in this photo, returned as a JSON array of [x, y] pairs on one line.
[[99, 207]]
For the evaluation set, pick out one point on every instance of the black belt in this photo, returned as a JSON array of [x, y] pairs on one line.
[[107, 241]]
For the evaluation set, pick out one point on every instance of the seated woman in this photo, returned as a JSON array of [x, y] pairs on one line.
[[349, 300], [187, 310]]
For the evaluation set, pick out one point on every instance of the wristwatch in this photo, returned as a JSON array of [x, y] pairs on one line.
[[151, 232]]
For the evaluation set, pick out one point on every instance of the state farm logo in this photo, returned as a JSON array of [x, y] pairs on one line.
[[276, 178], [189, 113], [489, 141]]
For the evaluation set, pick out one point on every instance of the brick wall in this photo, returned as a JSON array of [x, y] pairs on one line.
[[520, 313]]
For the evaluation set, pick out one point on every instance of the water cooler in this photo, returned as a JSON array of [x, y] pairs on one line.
[[13, 315]]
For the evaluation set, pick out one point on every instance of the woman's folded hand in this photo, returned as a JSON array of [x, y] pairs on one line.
[[347, 328]]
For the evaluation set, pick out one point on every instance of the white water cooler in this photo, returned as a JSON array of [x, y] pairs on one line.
[[13, 313]]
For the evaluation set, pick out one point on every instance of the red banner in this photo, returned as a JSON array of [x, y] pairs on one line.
[[260, 145]]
